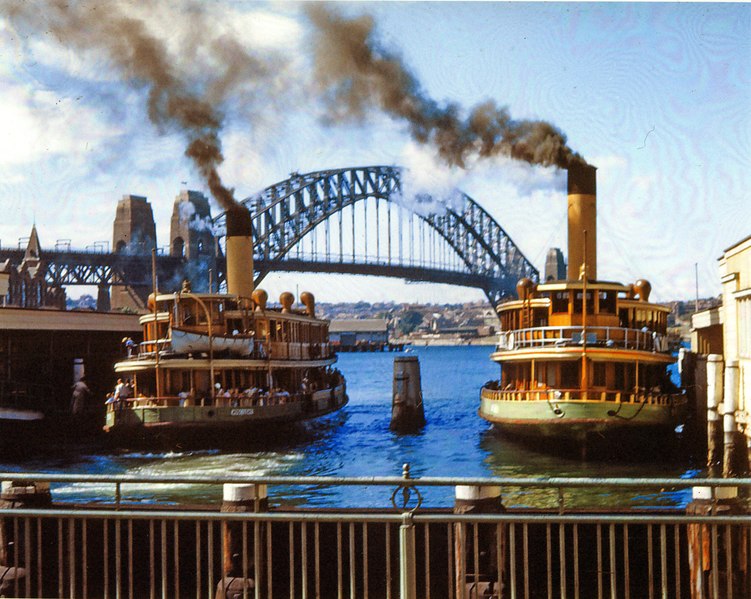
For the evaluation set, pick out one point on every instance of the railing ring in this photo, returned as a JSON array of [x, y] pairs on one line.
[[406, 494]]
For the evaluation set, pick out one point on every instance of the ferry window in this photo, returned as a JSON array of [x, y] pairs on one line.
[[539, 317], [598, 374], [620, 376], [578, 302], [569, 375], [560, 302], [607, 302], [540, 376], [623, 318]]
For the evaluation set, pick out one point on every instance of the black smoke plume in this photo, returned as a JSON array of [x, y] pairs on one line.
[[175, 102], [354, 73]]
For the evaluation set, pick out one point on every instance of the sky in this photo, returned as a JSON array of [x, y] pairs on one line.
[[656, 96]]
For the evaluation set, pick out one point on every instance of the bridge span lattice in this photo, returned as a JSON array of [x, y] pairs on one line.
[[357, 221]]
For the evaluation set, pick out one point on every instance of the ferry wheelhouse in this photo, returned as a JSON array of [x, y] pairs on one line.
[[583, 360], [225, 363]]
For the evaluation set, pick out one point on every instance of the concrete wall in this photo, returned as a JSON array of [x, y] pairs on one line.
[[735, 274]]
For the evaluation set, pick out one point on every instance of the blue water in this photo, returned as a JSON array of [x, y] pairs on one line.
[[357, 442]]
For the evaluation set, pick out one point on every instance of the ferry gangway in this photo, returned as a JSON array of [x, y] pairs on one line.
[[401, 547]]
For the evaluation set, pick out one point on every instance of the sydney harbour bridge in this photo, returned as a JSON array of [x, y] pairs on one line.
[[349, 221]]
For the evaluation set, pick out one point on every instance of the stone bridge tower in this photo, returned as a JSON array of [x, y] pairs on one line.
[[192, 237], [133, 232]]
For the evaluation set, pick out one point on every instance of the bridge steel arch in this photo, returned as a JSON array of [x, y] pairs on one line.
[[286, 212]]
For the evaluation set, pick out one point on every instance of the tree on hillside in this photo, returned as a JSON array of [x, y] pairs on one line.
[[409, 321]]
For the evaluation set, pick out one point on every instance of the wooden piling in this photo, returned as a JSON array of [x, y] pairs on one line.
[[15, 550], [243, 559], [407, 410], [478, 550]]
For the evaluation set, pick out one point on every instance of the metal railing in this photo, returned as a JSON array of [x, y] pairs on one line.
[[642, 397], [404, 550], [595, 336]]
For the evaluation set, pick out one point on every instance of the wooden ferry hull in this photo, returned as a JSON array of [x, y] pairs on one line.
[[578, 423], [212, 425]]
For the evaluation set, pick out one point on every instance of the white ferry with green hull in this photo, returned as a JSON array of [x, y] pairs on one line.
[[224, 367], [583, 362]]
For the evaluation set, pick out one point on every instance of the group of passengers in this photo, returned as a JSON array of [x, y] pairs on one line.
[[123, 391]]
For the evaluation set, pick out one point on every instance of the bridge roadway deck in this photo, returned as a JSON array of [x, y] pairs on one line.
[[66, 267]]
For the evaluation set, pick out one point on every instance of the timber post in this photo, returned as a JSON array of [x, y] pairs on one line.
[[478, 557], [15, 552], [243, 559], [407, 410]]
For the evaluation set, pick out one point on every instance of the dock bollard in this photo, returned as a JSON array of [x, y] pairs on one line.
[[17, 495], [240, 577], [477, 567], [407, 410]]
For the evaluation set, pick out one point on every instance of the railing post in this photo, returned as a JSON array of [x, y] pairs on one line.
[[243, 562], [407, 580], [476, 553], [15, 551]]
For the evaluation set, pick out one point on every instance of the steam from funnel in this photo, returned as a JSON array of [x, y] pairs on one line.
[[355, 73]]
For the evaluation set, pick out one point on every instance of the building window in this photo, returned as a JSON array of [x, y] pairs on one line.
[[744, 327]]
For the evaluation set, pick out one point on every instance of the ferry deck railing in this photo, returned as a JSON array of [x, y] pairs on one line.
[[642, 397], [615, 337], [234, 400], [279, 350], [398, 547]]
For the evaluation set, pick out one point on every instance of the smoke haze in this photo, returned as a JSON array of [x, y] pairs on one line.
[[351, 74], [354, 73], [192, 106]]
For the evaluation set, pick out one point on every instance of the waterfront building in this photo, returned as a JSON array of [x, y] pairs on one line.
[[726, 329], [24, 285], [555, 265], [357, 332]]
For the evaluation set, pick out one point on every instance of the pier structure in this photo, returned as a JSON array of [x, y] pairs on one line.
[[346, 221], [407, 545], [719, 364]]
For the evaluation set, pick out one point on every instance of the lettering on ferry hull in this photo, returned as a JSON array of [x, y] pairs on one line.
[[241, 412]]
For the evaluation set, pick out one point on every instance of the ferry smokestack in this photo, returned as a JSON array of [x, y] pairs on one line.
[[239, 252], [582, 216]]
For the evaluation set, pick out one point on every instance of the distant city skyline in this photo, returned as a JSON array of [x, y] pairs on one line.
[[655, 95]]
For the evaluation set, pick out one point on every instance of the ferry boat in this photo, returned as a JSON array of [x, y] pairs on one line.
[[583, 361], [221, 367]]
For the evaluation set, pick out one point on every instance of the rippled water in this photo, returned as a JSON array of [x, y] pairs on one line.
[[357, 442]]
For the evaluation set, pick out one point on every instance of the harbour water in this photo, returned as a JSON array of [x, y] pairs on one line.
[[357, 442]]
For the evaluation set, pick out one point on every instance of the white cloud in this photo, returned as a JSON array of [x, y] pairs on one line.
[[37, 124]]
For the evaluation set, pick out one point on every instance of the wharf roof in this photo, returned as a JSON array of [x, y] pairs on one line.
[[363, 325], [41, 319]]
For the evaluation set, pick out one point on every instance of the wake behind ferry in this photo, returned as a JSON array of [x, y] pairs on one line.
[[222, 367], [583, 361]]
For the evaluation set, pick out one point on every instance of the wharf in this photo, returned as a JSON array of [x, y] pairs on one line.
[[404, 550]]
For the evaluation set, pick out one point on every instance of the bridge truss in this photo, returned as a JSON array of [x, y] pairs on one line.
[[358, 221]]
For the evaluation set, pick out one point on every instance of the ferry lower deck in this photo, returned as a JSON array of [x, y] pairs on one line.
[[218, 423]]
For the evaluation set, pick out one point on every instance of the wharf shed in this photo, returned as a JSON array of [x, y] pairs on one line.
[[352, 333], [43, 350]]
